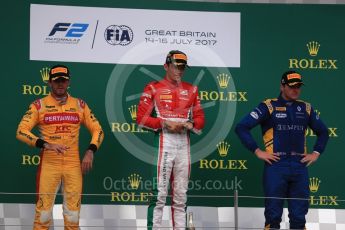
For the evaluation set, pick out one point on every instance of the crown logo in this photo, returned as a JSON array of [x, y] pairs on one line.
[[223, 148], [133, 111], [314, 184], [134, 180], [45, 74], [223, 80], [313, 48]]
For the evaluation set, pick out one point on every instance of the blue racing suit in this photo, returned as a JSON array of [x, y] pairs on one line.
[[284, 124]]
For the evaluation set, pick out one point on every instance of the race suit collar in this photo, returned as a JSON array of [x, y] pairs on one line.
[[171, 83], [60, 101], [283, 101]]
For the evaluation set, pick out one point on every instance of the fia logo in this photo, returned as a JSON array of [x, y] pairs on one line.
[[118, 35]]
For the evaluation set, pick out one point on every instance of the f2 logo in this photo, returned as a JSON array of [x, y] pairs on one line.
[[75, 30]]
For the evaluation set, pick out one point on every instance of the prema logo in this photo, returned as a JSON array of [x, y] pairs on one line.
[[118, 35]]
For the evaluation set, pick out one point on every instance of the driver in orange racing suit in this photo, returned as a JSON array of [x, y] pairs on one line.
[[58, 117]]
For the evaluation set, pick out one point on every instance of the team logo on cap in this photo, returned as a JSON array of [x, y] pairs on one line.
[[59, 70], [293, 76], [180, 56]]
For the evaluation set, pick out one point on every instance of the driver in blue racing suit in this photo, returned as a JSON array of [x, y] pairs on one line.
[[284, 121]]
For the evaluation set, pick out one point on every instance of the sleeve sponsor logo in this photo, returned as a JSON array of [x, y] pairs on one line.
[[37, 104], [257, 109], [81, 103], [25, 135], [146, 95], [254, 115]]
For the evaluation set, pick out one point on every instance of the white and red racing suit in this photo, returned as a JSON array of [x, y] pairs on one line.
[[59, 124], [164, 100]]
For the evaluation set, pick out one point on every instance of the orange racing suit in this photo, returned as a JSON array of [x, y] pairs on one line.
[[59, 123]]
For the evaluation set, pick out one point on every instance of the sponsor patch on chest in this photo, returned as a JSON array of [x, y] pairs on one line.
[[281, 115], [280, 109], [59, 118], [184, 92], [165, 97]]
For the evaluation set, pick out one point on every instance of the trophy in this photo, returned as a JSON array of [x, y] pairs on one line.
[[190, 225]]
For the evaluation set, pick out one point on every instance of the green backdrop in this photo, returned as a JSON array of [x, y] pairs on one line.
[[273, 40]]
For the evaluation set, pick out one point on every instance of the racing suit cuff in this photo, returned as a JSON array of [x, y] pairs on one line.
[[39, 143], [162, 122], [196, 131], [253, 148], [92, 147], [317, 152]]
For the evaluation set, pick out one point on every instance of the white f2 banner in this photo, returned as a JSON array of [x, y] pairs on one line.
[[133, 36]]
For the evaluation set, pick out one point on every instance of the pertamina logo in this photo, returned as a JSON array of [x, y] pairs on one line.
[[313, 48], [332, 132], [320, 200], [60, 118], [118, 35], [223, 150], [131, 127], [38, 89], [223, 94], [66, 33], [134, 181]]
